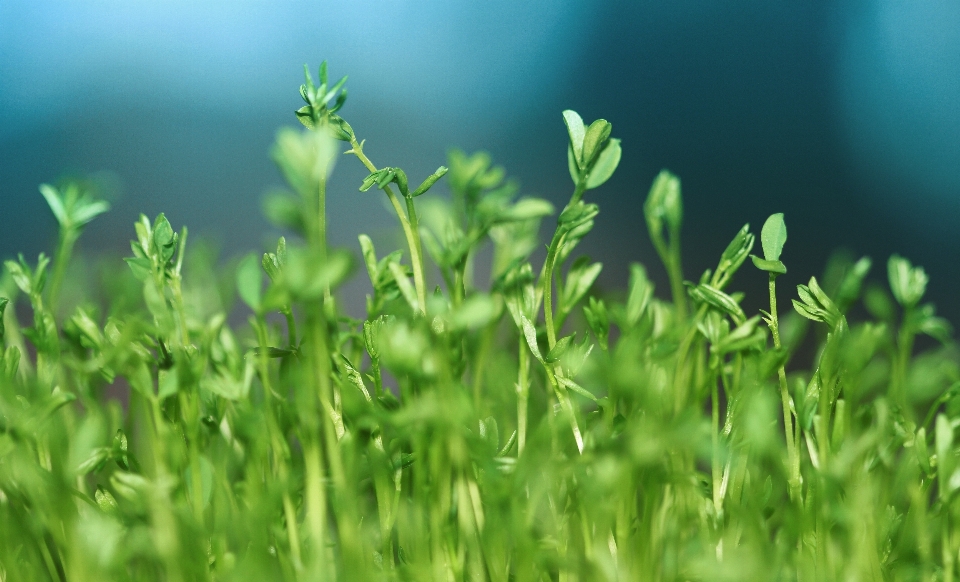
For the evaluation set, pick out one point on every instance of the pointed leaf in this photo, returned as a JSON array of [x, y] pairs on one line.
[[773, 236]]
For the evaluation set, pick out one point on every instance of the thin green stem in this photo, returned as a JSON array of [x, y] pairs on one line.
[[792, 443], [675, 272], [546, 276], [523, 394], [905, 338], [68, 238], [715, 433], [322, 228], [547, 281], [291, 328], [409, 228]]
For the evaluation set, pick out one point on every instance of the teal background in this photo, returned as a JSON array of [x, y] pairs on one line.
[[843, 115]]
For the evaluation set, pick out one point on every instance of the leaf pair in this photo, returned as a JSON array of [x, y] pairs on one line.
[[907, 282], [814, 304], [72, 207], [592, 155], [772, 237], [387, 175], [30, 281], [664, 204]]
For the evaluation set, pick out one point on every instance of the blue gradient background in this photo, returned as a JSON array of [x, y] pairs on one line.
[[844, 115]]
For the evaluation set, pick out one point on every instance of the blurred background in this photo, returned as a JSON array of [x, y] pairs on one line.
[[843, 114]]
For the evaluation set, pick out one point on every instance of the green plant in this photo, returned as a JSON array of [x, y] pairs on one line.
[[457, 433]]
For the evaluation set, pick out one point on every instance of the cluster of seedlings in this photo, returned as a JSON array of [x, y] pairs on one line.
[[524, 428]]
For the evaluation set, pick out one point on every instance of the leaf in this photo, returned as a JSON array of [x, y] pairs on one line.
[[476, 311], [641, 291], [530, 334], [98, 457], [284, 210], [56, 203], [429, 182], [775, 267], [908, 283], [142, 268], [308, 272], [89, 211], [106, 502], [571, 385], [559, 348], [605, 165], [572, 165], [20, 275], [597, 318], [580, 278], [250, 282], [576, 132], [814, 304], [773, 236], [406, 288], [526, 209], [663, 203], [738, 249], [595, 137], [369, 257], [721, 301]]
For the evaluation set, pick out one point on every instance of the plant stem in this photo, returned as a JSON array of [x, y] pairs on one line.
[[68, 237], [792, 450], [322, 228], [675, 272], [546, 280], [409, 226], [523, 393]]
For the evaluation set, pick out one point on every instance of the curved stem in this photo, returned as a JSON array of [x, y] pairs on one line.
[[792, 450], [546, 276], [547, 281], [410, 231]]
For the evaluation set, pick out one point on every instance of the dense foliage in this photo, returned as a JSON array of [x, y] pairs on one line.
[[521, 428]]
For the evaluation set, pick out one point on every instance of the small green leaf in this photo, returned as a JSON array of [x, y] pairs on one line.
[[84, 214], [406, 288], [641, 291], [429, 182], [250, 281], [721, 301], [476, 311], [142, 268], [106, 502], [572, 165], [663, 203], [576, 132], [526, 209], [907, 282], [598, 319], [773, 236], [594, 138], [775, 267], [605, 165], [530, 334], [573, 386], [559, 348], [580, 278], [56, 203]]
